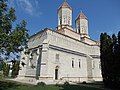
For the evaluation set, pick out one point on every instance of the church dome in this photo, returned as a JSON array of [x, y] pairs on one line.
[[81, 16], [65, 5]]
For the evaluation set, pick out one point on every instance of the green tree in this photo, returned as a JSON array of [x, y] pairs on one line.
[[15, 68], [110, 60], [12, 39], [5, 69], [106, 50], [103, 47], [0, 66]]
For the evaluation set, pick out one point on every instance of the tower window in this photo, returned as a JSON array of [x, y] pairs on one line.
[[60, 21], [69, 21], [64, 20], [78, 29]]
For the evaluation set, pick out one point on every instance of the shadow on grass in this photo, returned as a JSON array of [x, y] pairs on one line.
[[5, 85], [78, 87], [10, 85], [84, 86]]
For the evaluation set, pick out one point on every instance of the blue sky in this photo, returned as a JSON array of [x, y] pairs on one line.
[[103, 15]]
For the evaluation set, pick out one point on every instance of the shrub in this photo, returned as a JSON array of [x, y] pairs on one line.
[[1, 75], [84, 82], [66, 83], [58, 85], [41, 84], [15, 69], [5, 69]]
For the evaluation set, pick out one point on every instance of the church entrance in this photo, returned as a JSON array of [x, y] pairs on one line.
[[56, 74]]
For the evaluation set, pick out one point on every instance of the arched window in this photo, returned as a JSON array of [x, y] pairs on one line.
[[69, 20], [60, 20], [99, 65], [93, 64], [79, 63], [57, 57], [56, 74], [72, 64], [64, 20]]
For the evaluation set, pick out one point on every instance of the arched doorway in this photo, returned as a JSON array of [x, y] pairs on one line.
[[56, 72]]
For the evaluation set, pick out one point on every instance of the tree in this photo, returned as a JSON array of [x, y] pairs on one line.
[[5, 69], [0, 66], [12, 40], [106, 57], [110, 59], [15, 68], [103, 48]]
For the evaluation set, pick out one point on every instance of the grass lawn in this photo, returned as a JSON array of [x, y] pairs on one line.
[[10, 85]]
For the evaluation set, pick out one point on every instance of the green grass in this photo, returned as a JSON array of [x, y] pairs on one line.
[[10, 85]]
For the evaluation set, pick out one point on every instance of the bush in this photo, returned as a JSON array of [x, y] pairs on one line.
[[66, 83], [58, 85], [1, 75], [5, 69], [15, 69], [84, 82], [41, 84]]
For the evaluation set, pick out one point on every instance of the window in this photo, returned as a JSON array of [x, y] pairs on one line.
[[79, 64], [57, 57], [56, 74], [93, 66], [69, 21], [99, 65], [64, 21], [72, 64], [29, 64], [60, 21]]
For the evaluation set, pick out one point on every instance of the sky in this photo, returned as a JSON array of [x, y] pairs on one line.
[[103, 15]]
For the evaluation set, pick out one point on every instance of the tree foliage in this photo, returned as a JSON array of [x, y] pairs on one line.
[[110, 59], [15, 68], [12, 38], [0, 66], [5, 69]]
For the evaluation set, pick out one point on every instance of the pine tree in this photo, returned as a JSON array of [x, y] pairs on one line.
[[103, 38], [106, 57], [110, 60]]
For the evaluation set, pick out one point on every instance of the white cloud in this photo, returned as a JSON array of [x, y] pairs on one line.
[[27, 6], [31, 7]]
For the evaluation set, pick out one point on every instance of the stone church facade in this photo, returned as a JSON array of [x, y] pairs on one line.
[[64, 54]]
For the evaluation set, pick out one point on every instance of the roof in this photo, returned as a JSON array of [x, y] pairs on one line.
[[81, 16], [65, 5], [46, 29]]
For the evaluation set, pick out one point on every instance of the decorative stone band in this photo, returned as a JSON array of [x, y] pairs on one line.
[[81, 77], [30, 76], [43, 63], [71, 51], [67, 50], [95, 56]]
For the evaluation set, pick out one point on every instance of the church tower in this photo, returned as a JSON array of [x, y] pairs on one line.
[[64, 15], [82, 25]]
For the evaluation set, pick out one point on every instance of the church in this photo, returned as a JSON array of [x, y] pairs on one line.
[[64, 54]]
